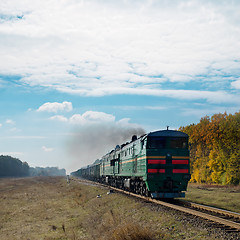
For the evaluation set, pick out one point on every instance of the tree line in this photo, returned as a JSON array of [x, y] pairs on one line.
[[13, 167], [215, 149]]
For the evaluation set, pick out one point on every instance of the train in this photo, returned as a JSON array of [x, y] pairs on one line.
[[155, 165]]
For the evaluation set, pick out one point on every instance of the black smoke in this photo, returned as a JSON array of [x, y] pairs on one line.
[[93, 141]]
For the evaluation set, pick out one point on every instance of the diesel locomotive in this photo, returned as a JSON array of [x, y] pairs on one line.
[[155, 165]]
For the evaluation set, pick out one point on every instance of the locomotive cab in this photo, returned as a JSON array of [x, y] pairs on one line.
[[168, 170]]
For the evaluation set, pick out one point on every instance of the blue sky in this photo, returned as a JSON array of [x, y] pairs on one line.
[[79, 77]]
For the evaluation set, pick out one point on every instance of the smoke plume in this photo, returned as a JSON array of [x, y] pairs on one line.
[[91, 142]]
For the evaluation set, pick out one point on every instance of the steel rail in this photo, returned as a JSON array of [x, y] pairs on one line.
[[215, 210]]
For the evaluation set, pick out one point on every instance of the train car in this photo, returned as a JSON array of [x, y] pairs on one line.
[[94, 171], [155, 164], [77, 173], [91, 172]]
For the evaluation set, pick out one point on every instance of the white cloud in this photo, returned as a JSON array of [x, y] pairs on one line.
[[210, 96], [236, 84], [0, 125], [93, 118], [89, 117], [46, 149], [9, 121], [59, 118], [14, 129], [125, 124], [77, 119], [131, 46], [98, 116], [55, 107]]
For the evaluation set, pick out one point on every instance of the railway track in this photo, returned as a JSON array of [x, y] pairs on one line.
[[216, 211], [210, 214], [222, 222]]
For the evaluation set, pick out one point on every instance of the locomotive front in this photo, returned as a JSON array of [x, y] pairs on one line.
[[168, 169]]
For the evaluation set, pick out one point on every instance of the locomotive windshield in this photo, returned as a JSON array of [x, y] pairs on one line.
[[155, 142], [163, 142], [179, 142]]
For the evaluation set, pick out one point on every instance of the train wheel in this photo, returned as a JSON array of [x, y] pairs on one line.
[[142, 189], [145, 191]]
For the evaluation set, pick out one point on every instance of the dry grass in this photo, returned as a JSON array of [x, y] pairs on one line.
[[49, 208], [34, 208], [225, 197], [131, 232]]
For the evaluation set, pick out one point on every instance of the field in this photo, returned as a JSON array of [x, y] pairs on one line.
[[225, 197], [50, 208]]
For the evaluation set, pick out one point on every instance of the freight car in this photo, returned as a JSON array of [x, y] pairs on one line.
[[155, 164]]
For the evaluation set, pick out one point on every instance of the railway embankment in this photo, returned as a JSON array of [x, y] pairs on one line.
[[50, 208]]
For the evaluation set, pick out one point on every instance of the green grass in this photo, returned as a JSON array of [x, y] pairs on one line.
[[225, 197], [49, 208]]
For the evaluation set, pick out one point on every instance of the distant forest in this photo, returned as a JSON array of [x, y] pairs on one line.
[[215, 149], [13, 167]]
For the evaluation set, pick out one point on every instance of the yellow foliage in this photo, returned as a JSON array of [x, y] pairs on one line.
[[215, 149]]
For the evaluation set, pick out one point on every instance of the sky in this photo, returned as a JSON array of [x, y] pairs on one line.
[[78, 77]]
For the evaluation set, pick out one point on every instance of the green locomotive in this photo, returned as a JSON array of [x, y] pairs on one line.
[[155, 164]]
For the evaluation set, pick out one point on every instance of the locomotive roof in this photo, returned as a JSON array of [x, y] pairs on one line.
[[167, 133]]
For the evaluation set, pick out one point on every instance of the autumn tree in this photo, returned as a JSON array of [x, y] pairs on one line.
[[215, 149]]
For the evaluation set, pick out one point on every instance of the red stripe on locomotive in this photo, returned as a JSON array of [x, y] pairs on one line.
[[180, 171], [156, 170], [179, 161], [156, 161]]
